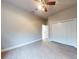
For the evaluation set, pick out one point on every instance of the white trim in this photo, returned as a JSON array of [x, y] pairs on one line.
[[63, 43], [17, 46]]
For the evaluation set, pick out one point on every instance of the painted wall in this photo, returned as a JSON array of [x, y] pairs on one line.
[[18, 27], [62, 27]]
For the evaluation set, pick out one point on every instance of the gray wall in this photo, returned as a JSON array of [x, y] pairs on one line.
[[18, 27], [62, 27]]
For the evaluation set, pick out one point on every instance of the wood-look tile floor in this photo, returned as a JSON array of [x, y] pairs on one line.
[[42, 50]]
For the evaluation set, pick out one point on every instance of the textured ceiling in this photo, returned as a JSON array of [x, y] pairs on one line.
[[31, 6]]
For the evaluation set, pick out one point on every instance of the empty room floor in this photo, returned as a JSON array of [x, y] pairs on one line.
[[42, 50]]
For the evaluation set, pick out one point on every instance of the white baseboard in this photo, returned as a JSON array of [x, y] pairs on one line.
[[17, 46], [64, 43]]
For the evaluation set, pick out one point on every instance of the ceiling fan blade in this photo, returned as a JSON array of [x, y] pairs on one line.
[[37, 0], [51, 3], [45, 9]]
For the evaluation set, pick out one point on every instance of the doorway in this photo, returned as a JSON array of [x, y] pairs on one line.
[[44, 32]]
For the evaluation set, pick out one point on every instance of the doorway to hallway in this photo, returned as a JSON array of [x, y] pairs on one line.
[[44, 32]]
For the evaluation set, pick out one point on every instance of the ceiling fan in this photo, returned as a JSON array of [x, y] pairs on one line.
[[46, 3]]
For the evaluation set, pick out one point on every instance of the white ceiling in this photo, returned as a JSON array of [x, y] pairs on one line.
[[31, 6]]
